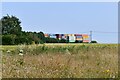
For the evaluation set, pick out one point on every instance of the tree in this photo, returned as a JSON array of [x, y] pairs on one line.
[[41, 36], [11, 25], [12, 32], [23, 40], [8, 39], [62, 41], [51, 40]]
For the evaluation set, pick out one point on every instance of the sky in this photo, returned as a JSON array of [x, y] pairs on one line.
[[60, 0], [68, 17]]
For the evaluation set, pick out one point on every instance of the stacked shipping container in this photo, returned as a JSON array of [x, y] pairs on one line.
[[70, 37], [79, 37], [85, 38], [52, 35], [46, 35]]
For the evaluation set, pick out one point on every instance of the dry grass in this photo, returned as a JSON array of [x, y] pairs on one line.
[[58, 61]]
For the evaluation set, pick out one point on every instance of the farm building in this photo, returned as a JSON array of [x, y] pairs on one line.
[[70, 37]]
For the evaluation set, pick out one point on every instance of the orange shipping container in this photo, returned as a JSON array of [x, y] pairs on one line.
[[46, 35], [79, 39], [85, 36]]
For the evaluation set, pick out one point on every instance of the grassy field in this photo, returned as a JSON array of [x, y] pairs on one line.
[[60, 61]]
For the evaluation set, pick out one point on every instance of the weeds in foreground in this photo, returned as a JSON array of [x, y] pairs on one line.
[[58, 61]]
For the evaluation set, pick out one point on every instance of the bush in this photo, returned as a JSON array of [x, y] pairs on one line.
[[23, 40], [41, 42], [51, 40], [8, 40], [62, 41], [77, 41], [93, 42]]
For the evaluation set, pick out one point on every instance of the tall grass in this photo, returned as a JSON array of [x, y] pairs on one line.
[[61, 61]]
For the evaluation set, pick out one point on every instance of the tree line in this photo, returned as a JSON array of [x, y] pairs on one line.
[[12, 33]]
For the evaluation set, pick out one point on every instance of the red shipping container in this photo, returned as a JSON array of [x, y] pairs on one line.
[[85, 40], [78, 34]]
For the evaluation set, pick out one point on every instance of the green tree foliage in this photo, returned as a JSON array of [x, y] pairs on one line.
[[12, 32], [41, 36], [11, 25], [93, 42], [63, 41], [36, 37], [23, 40], [8, 39], [54, 40], [51, 40]]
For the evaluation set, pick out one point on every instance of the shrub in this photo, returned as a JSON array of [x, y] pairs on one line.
[[51, 40], [8, 39], [93, 42], [23, 40], [63, 41]]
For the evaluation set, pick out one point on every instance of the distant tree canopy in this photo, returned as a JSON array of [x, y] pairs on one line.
[[11, 25], [12, 33]]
